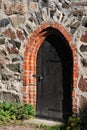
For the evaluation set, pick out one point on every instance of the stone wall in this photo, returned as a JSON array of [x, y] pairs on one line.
[[18, 19]]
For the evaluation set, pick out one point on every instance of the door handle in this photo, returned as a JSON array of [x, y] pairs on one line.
[[39, 76]]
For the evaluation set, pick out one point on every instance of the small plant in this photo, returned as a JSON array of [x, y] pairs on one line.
[[10, 111], [44, 127], [74, 123], [77, 122], [24, 111], [83, 116]]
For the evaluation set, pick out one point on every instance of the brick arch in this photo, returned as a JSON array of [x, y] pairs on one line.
[[29, 65]]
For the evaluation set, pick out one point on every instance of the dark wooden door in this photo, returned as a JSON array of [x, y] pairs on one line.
[[49, 83]]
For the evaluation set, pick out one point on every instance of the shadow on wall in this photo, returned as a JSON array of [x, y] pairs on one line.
[[83, 117], [64, 51], [77, 122]]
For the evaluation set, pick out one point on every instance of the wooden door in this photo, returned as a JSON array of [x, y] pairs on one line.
[[49, 82]]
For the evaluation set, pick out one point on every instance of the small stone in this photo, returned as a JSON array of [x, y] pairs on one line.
[[84, 37], [12, 50], [25, 33], [44, 3], [79, 3], [9, 33], [4, 23], [17, 20], [14, 67], [83, 48], [84, 21], [83, 84], [20, 35], [17, 8], [5, 76], [15, 44], [33, 5], [75, 25], [2, 41], [29, 29], [1, 62], [84, 62], [65, 5], [15, 59], [78, 12], [83, 102], [18, 44], [15, 85], [8, 10], [3, 52], [9, 96], [39, 17], [35, 0], [44, 14], [20, 8]]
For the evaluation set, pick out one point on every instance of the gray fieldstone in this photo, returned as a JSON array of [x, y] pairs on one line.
[[2, 41], [14, 67], [18, 19], [4, 22], [9, 96]]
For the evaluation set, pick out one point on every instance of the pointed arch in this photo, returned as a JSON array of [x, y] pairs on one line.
[[30, 55]]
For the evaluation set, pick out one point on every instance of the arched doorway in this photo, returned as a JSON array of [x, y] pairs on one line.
[[58, 38], [54, 77]]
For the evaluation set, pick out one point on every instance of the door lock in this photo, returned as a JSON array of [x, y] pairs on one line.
[[38, 76]]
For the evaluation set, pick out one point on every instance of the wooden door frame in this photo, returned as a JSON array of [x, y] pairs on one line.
[[29, 65]]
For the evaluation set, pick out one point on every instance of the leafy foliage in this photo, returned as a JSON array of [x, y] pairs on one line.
[[14, 112], [10, 111], [43, 127], [74, 123], [83, 116], [77, 122]]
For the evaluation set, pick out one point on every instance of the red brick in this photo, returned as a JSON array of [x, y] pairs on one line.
[[75, 75], [75, 66], [35, 41], [25, 82], [31, 101], [75, 84], [26, 96], [25, 101], [25, 89], [31, 96], [45, 25], [73, 94]]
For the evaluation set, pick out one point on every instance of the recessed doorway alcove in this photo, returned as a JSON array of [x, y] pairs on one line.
[[54, 77], [49, 76]]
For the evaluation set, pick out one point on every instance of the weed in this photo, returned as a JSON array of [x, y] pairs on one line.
[[44, 127], [18, 111]]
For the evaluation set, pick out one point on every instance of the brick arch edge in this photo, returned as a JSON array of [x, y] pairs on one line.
[[29, 64]]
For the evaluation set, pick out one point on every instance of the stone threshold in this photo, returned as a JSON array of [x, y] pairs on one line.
[[40, 121]]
